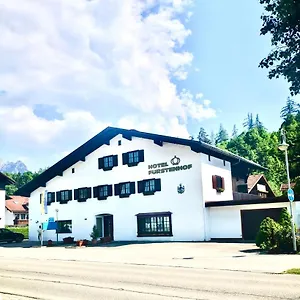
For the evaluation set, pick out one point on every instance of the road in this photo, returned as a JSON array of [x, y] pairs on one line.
[[35, 278]]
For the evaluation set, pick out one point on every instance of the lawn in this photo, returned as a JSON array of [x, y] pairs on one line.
[[293, 271], [23, 230]]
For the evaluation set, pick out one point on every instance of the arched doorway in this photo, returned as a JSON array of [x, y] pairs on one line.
[[105, 225]]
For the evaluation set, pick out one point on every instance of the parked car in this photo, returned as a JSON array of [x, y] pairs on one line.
[[10, 236]]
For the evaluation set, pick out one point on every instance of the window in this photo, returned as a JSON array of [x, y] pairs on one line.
[[154, 224], [23, 216], [108, 162], [64, 226], [119, 142], [102, 191], [73, 170], [149, 186], [64, 196], [82, 194], [133, 158], [50, 198], [124, 189], [218, 183]]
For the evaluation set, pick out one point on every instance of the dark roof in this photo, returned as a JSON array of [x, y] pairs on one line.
[[5, 179], [284, 186], [107, 134], [250, 201]]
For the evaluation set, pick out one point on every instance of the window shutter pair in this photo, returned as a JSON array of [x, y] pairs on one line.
[[118, 188], [101, 162], [141, 185], [218, 182], [125, 157]]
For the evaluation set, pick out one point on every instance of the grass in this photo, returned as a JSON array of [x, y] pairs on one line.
[[23, 230], [293, 271]]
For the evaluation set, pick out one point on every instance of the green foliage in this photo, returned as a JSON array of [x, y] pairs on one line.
[[203, 136], [222, 135], [20, 179], [291, 108], [274, 236], [23, 230], [95, 233], [234, 132], [267, 236], [282, 20], [249, 124]]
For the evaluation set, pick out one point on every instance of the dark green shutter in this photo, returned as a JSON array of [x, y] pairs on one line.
[[125, 158], [100, 163], [70, 195], [115, 160], [58, 196], [96, 191], [132, 187], [76, 194], [109, 190], [89, 192], [141, 156], [141, 186], [117, 189], [157, 185]]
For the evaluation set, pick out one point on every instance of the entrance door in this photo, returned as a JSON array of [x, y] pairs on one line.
[[251, 220], [109, 226], [105, 225]]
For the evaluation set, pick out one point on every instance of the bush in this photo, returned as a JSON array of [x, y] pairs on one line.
[[276, 237], [268, 235]]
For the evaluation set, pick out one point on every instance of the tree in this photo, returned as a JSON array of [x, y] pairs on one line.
[[20, 179], [258, 124], [213, 138], [291, 108], [222, 135], [234, 132], [249, 124], [203, 136], [282, 21]]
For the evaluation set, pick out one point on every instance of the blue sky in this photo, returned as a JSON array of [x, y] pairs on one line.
[[227, 49], [70, 68]]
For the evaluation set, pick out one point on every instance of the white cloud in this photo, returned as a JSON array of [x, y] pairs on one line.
[[199, 95], [96, 62]]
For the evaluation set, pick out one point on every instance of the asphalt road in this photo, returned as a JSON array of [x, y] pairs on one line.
[[59, 279]]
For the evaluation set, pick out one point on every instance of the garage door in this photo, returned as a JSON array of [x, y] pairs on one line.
[[251, 220]]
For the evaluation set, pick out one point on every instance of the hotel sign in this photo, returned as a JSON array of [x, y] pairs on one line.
[[165, 167]]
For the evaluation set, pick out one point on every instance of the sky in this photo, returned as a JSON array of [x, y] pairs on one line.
[[70, 68]]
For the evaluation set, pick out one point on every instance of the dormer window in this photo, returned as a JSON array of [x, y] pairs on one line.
[[108, 162], [133, 158]]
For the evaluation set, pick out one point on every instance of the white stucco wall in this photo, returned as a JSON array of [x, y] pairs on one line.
[[2, 208], [9, 217], [187, 208], [225, 222]]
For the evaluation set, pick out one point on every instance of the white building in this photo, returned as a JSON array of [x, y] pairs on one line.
[[4, 180], [141, 186]]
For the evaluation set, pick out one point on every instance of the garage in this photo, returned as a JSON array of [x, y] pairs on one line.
[[251, 220]]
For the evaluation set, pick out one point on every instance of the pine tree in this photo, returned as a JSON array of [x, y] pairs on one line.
[[203, 136], [249, 124], [258, 124], [222, 135], [234, 132], [291, 108]]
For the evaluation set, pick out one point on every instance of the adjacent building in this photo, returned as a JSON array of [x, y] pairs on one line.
[[140, 186], [4, 180], [16, 211]]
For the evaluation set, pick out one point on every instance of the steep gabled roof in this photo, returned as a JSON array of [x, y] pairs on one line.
[[254, 179], [5, 179], [17, 204], [104, 137]]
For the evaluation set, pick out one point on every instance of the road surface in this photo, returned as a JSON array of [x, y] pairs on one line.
[[64, 279]]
